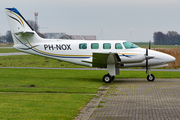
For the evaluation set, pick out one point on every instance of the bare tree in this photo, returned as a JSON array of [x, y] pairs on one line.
[[9, 36]]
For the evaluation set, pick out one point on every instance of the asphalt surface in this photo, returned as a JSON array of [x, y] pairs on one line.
[[137, 99], [5, 47], [16, 53]]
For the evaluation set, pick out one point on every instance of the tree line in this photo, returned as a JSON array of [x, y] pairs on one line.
[[171, 38]]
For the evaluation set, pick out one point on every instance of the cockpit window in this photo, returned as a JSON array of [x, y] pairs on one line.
[[129, 45]]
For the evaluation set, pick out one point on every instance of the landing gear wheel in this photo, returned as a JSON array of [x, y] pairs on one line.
[[113, 77], [107, 78], [151, 77]]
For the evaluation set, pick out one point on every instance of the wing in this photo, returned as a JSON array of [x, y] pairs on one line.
[[101, 60]]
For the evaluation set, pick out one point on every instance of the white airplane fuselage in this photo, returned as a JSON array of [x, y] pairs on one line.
[[68, 50]]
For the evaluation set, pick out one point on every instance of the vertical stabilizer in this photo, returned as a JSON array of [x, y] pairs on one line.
[[20, 28]]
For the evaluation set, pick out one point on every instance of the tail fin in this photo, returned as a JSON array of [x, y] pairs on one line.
[[18, 25]]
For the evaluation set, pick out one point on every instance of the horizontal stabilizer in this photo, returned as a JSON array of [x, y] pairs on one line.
[[25, 32]]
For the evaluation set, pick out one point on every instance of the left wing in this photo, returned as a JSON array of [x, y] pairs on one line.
[[101, 60]]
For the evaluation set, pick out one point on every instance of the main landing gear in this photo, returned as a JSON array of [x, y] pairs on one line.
[[108, 78]]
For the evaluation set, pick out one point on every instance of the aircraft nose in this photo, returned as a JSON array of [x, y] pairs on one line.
[[168, 58]]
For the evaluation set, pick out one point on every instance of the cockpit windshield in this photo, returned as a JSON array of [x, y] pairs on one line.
[[129, 45]]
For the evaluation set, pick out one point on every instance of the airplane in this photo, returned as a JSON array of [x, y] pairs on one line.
[[110, 54]]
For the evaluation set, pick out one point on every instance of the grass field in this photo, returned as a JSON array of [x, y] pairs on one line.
[[45, 94], [34, 61], [30, 106]]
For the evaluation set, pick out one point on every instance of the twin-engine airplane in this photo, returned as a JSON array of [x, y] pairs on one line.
[[110, 54]]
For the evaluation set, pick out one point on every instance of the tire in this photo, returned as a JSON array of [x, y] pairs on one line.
[[113, 77], [151, 78], [107, 78]]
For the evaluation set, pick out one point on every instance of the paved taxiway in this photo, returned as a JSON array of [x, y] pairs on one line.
[[137, 99], [15, 53]]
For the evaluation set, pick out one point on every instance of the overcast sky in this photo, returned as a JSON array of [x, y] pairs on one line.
[[89, 17]]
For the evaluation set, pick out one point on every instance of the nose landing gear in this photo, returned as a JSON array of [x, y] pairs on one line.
[[150, 77]]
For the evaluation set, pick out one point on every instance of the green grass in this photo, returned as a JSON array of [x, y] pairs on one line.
[[34, 61], [8, 50], [58, 94], [52, 81], [30, 106]]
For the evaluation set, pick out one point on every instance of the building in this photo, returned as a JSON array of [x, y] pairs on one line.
[[83, 37], [66, 36]]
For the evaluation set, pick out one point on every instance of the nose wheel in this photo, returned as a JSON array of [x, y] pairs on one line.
[[150, 77], [108, 78]]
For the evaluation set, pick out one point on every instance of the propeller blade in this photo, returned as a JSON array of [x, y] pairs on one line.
[[146, 51], [146, 65], [149, 44], [146, 60]]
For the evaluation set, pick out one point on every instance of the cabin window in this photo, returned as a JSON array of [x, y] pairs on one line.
[[94, 46], [106, 46], [129, 45], [118, 46], [83, 46]]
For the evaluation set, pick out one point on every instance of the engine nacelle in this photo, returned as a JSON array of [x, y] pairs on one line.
[[132, 57]]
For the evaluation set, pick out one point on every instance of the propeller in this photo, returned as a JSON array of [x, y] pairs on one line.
[[146, 60], [148, 57]]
